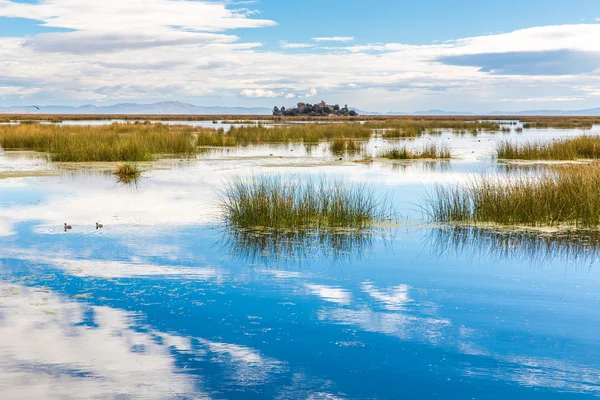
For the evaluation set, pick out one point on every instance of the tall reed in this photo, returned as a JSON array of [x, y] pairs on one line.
[[562, 196], [430, 151], [116, 142], [584, 147], [294, 203], [307, 133]]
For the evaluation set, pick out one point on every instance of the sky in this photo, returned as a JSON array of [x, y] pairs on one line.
[[381, 55]]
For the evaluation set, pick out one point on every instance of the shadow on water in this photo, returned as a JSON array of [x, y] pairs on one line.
[[298, 248], [573, 247]]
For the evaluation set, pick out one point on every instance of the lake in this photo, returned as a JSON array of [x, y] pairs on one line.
[[165, 302]]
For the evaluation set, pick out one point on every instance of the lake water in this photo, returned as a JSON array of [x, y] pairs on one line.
[[164, 303]]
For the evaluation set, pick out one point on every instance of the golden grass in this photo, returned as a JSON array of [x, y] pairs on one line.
[[116, 142], [293, 203], [583, 147], [430, 151], [307, 133], [561, 196]]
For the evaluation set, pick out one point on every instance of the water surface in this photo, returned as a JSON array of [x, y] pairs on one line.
[[164, 302]]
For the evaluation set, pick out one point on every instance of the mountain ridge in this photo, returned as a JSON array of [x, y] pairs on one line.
[[181, 108]]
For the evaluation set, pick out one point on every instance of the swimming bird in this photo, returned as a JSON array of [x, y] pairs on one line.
[[98, 226], [67, 227]]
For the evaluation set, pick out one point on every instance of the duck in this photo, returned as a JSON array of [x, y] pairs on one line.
[[98, 226], [67, 227]]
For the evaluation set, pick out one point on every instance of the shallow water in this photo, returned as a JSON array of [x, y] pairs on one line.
[[163, 302]]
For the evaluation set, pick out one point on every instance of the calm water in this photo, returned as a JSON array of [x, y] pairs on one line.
[[164, 303]]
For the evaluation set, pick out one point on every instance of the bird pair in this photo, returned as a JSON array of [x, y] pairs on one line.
[[69, 227]]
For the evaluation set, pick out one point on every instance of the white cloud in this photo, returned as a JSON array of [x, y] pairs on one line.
[[259, 93], [285, 45], [312, 92], [117, 53], [343, 39], [331, 294]]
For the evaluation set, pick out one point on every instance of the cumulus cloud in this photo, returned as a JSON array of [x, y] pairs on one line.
[[179, 49], [342, 39], [259, 93]]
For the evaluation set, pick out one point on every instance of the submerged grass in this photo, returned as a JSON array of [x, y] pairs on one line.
[[279, 203], [344, 146], [562, 196], [584, 147], [430, 151], [116, 142]]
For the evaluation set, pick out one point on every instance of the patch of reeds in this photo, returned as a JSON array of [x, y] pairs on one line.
[[559, 197], [415, 128], [584, 147], [430, 151], [259, 134], [561, 123], [293, 203], [115, 142]]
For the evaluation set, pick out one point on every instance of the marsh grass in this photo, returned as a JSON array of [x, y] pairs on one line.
[[561, 123], [292, 203], [584, 147], [430, 151], [260, 134], [415, 128], [116, 142], [565, 196]]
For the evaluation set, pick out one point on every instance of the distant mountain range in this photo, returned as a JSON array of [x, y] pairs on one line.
[[179, 108], [165, 107]]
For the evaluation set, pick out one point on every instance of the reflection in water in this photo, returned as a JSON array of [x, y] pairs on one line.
[[297, 247], [57, 348], [527, 245]]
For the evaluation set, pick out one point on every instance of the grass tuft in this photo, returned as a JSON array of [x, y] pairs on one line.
[[127, 173]]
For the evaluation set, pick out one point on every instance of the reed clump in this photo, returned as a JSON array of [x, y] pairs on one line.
[[279, 203], [116, 142], [430, 151], [127, 173], [561, 196], [584, 147]]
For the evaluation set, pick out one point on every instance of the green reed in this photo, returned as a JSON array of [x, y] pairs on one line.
[[294, 203], [560, 196]]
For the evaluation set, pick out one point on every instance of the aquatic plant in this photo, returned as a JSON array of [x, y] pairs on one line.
[[259, 134], [115, 142], [584, 147], [561, 196], [343, 146], [430, 151], [127, 173], [272, 202]]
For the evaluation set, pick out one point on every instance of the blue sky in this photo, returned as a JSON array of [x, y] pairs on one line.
[[383, 56]]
